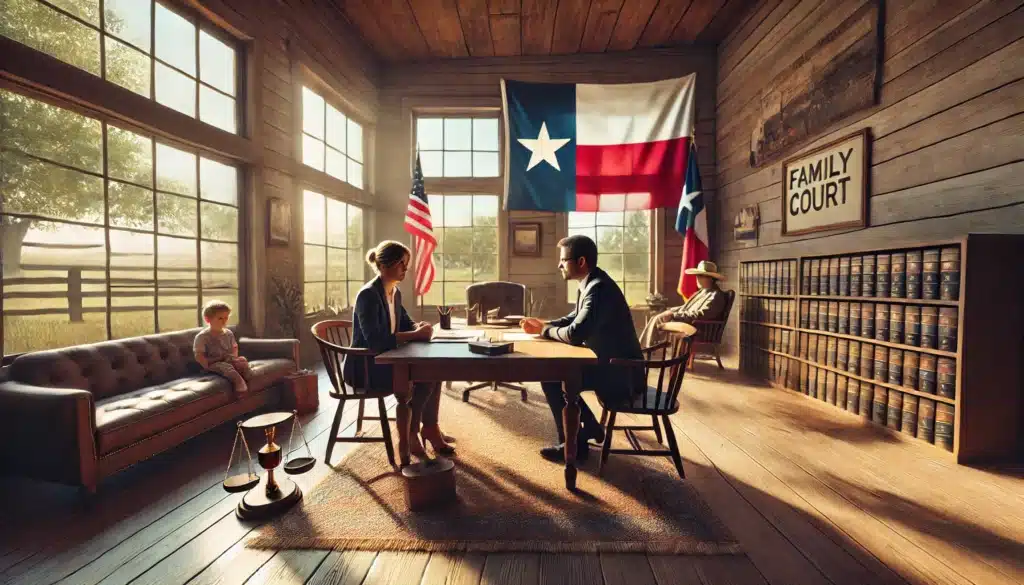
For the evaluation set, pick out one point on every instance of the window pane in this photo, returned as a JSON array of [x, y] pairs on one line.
[[485, 268], [175, 90], [315, 264], [608, 218], [458, 164], [432, 164], [129, 20], [458, 134], [219, 222], [217, 109], [127, 67], [485, 210], [336, 164], [455, 292], [220, 265], [313, 296], [175, 170], [219, 181], [609, 239], [87, 10], [485, 164], [31, 186], [355, 174], [314, 225], [636, 293], [612, 264], [337, 264], [132, 290], [438, 269], [355, 228], [312, 113], [336, 122], [49, 31], [355, 141], [53, 133], [175, 215], [636, 233], [129, 156], [589, 232], [458, 266], [175, 40], [355, 265], [458, 211], [177, 265], [434, 295], [216, 63], [636, 267], [485, 240], [178, 309], [312, 152], [353, 290], [130, 206], [436, 203], [337, 296], [485, 134], [580, 219], [336, 223], [430, 134]]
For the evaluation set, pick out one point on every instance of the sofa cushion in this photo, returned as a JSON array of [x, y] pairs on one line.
[[122, 420], [266, 372]]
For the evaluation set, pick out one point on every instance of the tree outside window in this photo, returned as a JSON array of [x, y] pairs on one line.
[[623, 243], [334, 261], [141, 45], [106, 232], [466, 228], [331, 141]]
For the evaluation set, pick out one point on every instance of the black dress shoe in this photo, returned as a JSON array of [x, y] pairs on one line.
[[595, 433], [556, 453]]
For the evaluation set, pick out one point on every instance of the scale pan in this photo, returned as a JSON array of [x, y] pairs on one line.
[[297, 465], [242, 482]]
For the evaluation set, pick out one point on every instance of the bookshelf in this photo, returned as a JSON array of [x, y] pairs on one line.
[[923, 338]]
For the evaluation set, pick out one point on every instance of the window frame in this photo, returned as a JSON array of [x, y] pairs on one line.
[[366, 215], [438, 278], [242, 312], [460, 116]]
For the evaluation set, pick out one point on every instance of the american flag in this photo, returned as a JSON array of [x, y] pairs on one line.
[[419, 224]]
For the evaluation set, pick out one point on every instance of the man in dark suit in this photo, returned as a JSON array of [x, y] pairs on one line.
[[602, 322]]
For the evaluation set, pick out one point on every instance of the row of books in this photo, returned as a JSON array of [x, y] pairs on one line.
[[931, 273], [763, 310], [926, 326]]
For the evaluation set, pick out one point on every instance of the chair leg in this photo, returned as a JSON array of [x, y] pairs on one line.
[[385, 428], [657, 428], [607, 441], [333, 437], [604, 416], [718, 357], [359, 417], [673, 446]]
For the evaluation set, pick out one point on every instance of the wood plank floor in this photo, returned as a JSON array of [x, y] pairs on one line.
[[814, 495]]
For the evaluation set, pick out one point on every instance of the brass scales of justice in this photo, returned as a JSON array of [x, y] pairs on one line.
[[266, 495]]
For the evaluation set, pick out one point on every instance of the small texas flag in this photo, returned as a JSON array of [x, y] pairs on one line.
[[692, 222]]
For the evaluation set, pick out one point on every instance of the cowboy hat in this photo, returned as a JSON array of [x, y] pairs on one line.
[[706, 268]]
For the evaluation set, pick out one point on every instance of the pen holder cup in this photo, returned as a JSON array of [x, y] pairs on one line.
[[446, 319]]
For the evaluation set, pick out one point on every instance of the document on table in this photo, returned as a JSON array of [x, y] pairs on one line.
[[456, 334], [520, 336]]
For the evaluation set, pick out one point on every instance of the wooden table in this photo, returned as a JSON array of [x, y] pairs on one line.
[[537, 360]]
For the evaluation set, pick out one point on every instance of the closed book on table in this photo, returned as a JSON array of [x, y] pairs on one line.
[[949, 274], [930, 274], [882, 268], [898, 275], [856, 265], [914, 265]]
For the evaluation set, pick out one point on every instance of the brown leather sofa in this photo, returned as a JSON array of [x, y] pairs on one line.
[[79, 414]]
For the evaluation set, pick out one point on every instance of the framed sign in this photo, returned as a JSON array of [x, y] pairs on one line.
[[526, 239], [827, 189]]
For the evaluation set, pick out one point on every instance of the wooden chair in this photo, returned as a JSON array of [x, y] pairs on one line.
[[708, 340], [659, 401], [333, 336], [510, 299]]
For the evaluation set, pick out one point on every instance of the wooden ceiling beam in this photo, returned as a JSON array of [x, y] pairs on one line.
[[667, 15], [631, 24]]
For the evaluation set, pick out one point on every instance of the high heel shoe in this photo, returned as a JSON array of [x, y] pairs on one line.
[[437, 441]]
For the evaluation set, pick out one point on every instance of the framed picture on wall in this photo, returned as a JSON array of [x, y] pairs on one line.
[[526, 239], [279, 222]]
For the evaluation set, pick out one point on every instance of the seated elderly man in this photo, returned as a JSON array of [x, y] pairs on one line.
[[707, 304]]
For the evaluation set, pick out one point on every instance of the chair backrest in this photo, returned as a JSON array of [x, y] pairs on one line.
[[666, 391], [508, 297], [333, 337], [712, 331]]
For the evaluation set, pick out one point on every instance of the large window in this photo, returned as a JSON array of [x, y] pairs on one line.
[[331, 141], [623, 242], [458, 147], [141, 45], [466, 228], [333, 253], [106, 232]]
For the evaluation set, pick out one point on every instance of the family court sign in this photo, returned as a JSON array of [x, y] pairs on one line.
[[826, 189]]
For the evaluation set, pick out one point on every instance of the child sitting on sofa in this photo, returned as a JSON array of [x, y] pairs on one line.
[[216, 349]]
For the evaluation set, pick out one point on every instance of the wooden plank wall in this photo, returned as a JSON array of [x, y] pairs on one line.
[[325, 44], [948, 132], [476, 80]]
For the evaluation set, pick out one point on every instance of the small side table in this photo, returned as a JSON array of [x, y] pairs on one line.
[[301, 392]]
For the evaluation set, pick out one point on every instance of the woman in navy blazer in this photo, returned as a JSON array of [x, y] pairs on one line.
[[380, 323]]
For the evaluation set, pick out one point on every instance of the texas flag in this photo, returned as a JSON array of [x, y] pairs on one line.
[[597, 147], [692, 222]]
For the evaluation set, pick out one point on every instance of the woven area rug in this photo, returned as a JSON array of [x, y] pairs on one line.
[[510, 499]]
